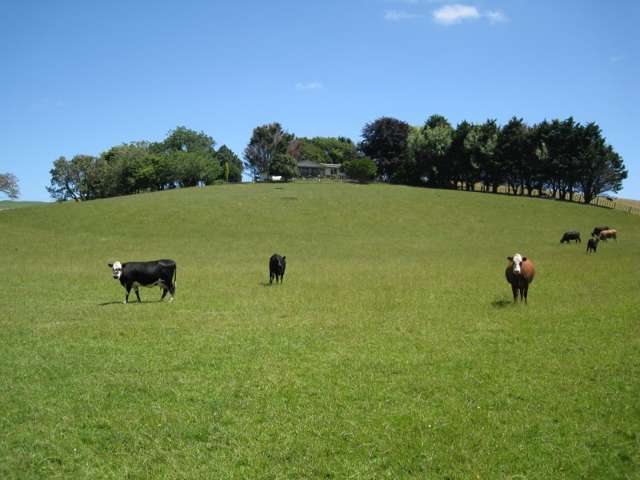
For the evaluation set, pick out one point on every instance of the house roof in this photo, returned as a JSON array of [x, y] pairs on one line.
[[312, 164]]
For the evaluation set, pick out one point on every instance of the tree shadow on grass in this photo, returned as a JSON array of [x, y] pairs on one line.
[[501, 303]]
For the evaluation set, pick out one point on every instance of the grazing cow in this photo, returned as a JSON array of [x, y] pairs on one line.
[[611, 233], [277, 264], [597, 230], [160, 273], [572, 235], [592, 245], [520, 273]]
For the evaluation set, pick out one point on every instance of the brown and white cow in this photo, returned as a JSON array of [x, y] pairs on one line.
[[611, 233], [520, 273]]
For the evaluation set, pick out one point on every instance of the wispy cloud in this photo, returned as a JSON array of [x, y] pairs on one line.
[[456, 13], [302, 86], [496, 16], [399, 15]]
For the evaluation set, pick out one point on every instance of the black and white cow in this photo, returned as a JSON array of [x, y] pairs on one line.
[[158, 273], [277, 265]]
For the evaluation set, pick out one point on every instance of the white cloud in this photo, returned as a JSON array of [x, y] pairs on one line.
[[399, 15], [496, 16], [309, 86], [451, 14]]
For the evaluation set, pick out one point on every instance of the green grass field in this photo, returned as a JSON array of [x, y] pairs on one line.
[[391, 350]]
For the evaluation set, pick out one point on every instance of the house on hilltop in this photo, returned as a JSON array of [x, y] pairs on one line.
[[311, 169]]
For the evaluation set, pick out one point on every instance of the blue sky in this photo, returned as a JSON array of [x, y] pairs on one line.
[[80, 77]]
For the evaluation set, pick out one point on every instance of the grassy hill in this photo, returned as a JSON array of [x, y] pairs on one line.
[[10, 204], [390, 350]]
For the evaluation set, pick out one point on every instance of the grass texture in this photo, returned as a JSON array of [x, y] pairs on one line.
[[391, 350]]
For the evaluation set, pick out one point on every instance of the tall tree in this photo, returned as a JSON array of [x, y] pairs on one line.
[[266, 142], [514, 152], [385, 142], [9, 185], [78, 179], [481, 143], [429, 151], [601, 167], [464, 170], [226, 157]]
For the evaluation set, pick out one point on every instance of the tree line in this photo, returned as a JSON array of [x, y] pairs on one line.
[[185, 158], [559, 157]]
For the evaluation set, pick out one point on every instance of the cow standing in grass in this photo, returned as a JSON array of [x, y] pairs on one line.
[[606, 234], [572, 235], [592, 245], [157, 273], [277, 265], [520, 273], [596, 230]]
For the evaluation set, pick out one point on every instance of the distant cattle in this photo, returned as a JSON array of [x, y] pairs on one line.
[[520, 273], [592, 245], [160, 273], [572, 235], [277, 266], [606, 234], [596, 230]]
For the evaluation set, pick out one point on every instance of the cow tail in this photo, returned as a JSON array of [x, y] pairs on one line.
[[175, 276]]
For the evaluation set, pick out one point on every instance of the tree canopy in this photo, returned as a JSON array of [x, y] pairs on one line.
[[9, 185]]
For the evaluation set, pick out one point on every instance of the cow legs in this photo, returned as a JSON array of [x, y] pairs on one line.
[[526, 291], [164, 293], [271, 275], [138, 295], [514, 289], [126, 297], [172, 291]]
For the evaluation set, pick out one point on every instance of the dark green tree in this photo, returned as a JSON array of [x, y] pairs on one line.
[[601, 167], [226, 157], [78, 179], [385, 142], [266, 142], [361, 169], [285, 165], [429, 151]]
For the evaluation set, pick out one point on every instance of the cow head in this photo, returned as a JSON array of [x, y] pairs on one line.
[[116, 269], [516, 261]]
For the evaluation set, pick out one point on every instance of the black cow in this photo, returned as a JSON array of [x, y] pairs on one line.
[[160, 273], [572, 235], [592, 245], [597, 230], [277, 264]]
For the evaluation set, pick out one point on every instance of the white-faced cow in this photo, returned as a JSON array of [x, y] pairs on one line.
[[572, 235], [520, 273], [158, 273], [277, 265]]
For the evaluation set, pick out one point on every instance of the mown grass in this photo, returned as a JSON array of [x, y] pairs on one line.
[[390, 351]]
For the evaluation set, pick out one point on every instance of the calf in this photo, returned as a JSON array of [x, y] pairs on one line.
[[160, 273], [277, 265], [611, 233], [520, 273], [572, 235], [592, 245], [596, 230]]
